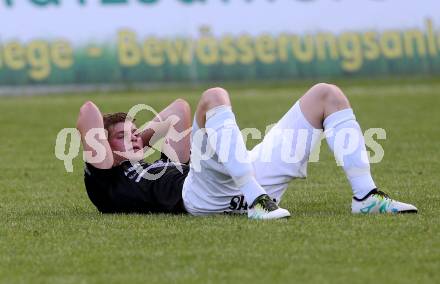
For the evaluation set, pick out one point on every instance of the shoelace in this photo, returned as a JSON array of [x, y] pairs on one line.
[[382, 194], [267, 203]]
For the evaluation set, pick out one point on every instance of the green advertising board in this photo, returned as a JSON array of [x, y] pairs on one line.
[[80, 42]]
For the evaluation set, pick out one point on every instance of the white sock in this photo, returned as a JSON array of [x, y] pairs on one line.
[[355, 164], [220, 122]]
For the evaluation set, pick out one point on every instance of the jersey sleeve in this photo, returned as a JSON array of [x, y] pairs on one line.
[[101, 174], [99, 183]]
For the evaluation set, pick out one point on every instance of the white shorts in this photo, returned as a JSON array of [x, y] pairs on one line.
[[210, 190]]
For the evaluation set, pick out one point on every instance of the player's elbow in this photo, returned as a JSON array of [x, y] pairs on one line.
[[182, 107], [86, 107], [84, 111]]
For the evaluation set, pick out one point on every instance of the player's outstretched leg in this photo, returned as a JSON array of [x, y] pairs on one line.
[[325, 106], [214, 113]]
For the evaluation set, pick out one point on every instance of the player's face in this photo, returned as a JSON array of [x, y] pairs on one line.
[[126, 144]]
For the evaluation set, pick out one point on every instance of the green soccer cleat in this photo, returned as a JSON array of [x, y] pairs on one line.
[[265, 208], [379, 202]]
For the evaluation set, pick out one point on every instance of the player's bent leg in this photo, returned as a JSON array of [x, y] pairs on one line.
[[284, 153], [214, 114], [325, 105]]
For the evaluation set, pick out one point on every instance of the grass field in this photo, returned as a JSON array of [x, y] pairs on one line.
[[51, 233]]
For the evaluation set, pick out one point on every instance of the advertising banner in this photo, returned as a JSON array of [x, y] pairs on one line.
[[56, 42]]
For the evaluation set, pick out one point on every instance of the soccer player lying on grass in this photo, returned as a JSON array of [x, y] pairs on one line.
[[233, 177]]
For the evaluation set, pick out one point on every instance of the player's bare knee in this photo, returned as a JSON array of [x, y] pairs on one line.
[[336, 98], [316, 94], [321, 91], [328, 95], [211, 98], [216, 96]]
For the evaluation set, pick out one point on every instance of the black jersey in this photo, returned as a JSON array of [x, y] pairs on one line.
[[137, 187]]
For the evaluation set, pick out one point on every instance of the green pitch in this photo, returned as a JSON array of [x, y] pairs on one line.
[[51, 233]]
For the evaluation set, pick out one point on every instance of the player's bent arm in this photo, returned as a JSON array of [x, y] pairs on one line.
[[91, 126], [173, 123]]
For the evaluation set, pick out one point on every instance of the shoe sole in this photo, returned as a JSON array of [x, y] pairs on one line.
[[281, 216], [408, 212], [399, 212]]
